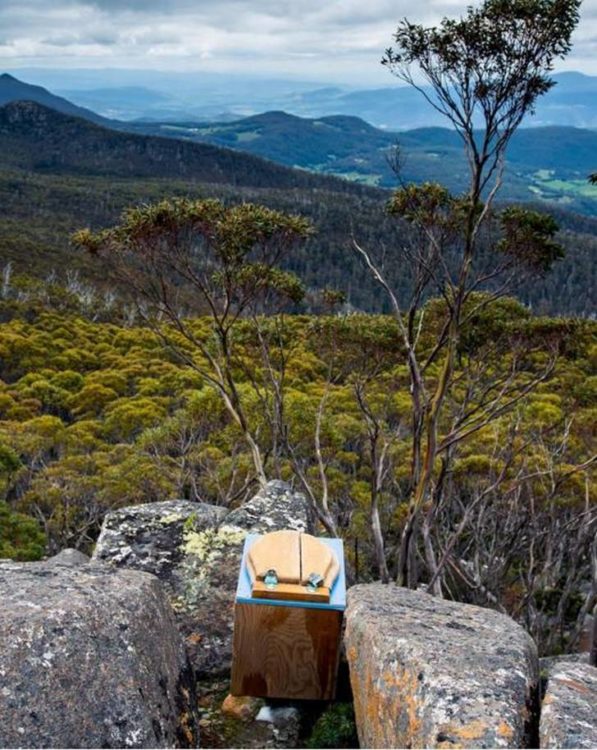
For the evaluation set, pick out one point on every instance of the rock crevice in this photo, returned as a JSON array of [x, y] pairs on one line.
[[195, 550]]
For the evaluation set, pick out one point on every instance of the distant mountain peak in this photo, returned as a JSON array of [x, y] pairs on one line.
[[12, 89], [275, 114]]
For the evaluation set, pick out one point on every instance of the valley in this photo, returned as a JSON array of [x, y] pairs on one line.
[[546, 163], [57, 171], [543, 163]]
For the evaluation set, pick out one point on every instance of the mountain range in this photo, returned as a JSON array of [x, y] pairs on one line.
[[36, 138], [12, 90], [571, 102], [59, 172], [162, 96], [545, 164]]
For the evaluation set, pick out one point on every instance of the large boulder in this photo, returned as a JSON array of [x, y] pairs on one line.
[[91, 657], [151, 537], [569, 710], [195, 550], [427, 672]]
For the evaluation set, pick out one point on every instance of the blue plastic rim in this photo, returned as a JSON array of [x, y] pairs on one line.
[[337, 594]]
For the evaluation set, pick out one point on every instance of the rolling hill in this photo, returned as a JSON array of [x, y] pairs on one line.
[[549, 163], [571, 102], [200, 96], [36, 138], [346, 146], [59, 173], [545, 164]]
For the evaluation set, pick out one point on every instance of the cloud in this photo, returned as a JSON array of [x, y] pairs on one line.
[[337, 40]]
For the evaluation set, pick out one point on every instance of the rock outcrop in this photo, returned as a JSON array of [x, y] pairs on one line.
[[152, 537], [569, 710], [195, 550], [91, 657], [68, 556], [426, 672]]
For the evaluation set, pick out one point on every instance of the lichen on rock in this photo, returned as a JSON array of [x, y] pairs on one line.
[[569, 709], [427, 672], [91, 657], [195, 550], [202, 551]]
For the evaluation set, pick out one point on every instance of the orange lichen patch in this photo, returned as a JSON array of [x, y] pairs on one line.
[[388, 705], [398, 698], [412, 704], [372, 700], [241, 707], [574, 684], [474, 730], [357, 690], [505, 730]]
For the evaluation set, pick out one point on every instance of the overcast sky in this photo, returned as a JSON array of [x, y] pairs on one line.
[[325, 40]]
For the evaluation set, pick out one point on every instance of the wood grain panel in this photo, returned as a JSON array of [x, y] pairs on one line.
[[294, 591], [316, 557], [285, 652], [279, 550]]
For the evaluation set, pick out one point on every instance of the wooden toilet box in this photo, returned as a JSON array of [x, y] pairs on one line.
[[287, 638]]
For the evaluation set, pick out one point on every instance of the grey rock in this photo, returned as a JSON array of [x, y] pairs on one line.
[[549, 662], [285, 725], [150, 537], [195, 550], [275, 507], [426, 672], [569, 709], [90, 657], [68, 556]]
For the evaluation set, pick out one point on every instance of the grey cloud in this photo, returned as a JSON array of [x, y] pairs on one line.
[[333, 40], [66, 40]]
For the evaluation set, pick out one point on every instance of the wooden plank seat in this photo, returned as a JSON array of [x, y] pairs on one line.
[[294, 557]]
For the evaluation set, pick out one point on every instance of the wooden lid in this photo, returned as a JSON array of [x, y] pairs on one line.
[[294, 556], [279, 550]]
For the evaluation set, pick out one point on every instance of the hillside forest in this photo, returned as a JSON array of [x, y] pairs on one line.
[[375, 349]]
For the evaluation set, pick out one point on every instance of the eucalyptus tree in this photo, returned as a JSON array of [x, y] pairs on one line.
[[484, 73], [182, 257]]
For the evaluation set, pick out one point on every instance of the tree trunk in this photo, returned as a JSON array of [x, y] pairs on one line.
[[406, 575], [436, 586], [380, 553]]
